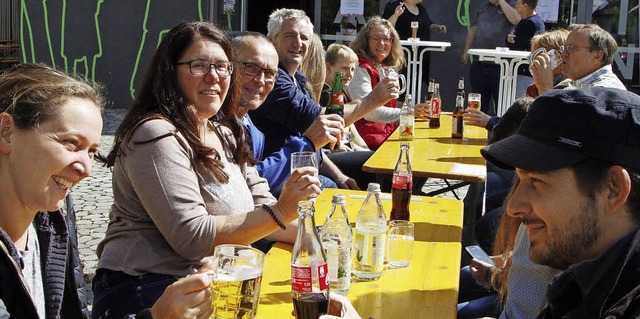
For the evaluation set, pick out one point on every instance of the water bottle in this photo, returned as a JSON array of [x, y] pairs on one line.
[[336, 237], [370, 237]]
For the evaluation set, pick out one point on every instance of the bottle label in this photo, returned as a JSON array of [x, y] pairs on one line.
[[435, 108], [406, 127], [302, 279], [402, 182], [337, 99]]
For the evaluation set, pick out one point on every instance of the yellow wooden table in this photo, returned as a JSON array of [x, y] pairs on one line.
[[428, 288], [433, 153]]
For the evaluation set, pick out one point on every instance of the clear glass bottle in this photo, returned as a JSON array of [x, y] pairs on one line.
[[401, 185], [309, 273], [370, 237], [336, 237], [407, 119]]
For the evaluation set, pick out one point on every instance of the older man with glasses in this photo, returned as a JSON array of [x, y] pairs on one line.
[[586, 60], [257, 67]]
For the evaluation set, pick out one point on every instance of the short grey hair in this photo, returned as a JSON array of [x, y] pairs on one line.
[[277, 17], [600, 40]]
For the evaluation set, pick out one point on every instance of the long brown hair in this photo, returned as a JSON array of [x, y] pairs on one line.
[[360, 44], [160, 97]]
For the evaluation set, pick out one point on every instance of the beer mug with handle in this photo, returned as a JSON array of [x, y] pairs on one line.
[[235, 281], [392, 72]]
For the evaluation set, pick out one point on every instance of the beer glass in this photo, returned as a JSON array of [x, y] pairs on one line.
[[392, 72], [235, 282], [414, 30], [473, 101], [400, 242]]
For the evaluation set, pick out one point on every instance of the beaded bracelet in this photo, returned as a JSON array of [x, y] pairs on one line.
[[273, 215]]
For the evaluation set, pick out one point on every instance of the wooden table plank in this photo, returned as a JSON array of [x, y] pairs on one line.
[[434, 153], [426, 289]]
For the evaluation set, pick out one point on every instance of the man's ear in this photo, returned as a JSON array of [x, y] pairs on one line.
[[6, 130], [598, 56], [617, 188]]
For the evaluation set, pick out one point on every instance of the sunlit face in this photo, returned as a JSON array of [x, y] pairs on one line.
[[206, 92], [562, 222], [292, 43], [255, 88], [578, 61], [380, 41], [344, 66], [45, 162], [521, 8]]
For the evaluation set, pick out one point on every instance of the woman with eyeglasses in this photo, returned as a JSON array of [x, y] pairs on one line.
[[181, 180], [377, 44]]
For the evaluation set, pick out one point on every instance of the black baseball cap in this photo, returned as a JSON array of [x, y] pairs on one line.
[[564, 127]]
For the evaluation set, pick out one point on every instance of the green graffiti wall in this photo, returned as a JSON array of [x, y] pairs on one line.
[[107, 41]]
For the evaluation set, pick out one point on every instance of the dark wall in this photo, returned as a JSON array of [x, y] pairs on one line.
[[446, 67], [110, 42]]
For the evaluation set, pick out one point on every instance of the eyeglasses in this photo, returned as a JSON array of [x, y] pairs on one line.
[[202, 67], [572, 48], [378, 40], [252, 69]]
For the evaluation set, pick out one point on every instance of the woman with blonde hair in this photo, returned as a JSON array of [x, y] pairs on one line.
[[313, 67], [377, 45]]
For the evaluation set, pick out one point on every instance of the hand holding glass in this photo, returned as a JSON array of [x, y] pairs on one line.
[[304, 159], [235, 281], [391, 72], [400, 242]]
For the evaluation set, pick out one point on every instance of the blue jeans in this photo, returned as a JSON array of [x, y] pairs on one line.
[[485, 79], [117, 294]]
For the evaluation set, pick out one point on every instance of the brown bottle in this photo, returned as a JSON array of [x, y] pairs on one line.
[[434, 112]]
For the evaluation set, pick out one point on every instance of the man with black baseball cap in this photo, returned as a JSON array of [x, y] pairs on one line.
[[577, 192]]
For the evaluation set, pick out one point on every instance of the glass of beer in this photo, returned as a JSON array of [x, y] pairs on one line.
[[235, 282], [400, 242], [414, 30], [474, 101], [392, 72]]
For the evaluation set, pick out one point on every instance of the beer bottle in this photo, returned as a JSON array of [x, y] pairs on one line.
[[309, 280], [407, 119], [457, 123], [434, 114], [336, 236], [370, 237], [336, 104], [402, 185], [430, 90]]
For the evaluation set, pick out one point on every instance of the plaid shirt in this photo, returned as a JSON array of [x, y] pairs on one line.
[[603, 76]]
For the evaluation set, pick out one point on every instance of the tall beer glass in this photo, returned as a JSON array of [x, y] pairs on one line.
[[235, 282]]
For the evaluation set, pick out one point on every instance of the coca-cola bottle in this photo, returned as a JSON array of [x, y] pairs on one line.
[[434, 114], [407, 119], [457, 123], [402, 185], [370, 237], [309, 273], [336, 104], [336, 236]]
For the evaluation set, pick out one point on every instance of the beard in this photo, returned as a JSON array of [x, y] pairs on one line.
[[567, 246]]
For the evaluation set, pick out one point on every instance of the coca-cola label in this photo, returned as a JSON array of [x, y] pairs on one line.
[[302, 280], [402, 182], [337, 98], [435, 106], [323, 276]]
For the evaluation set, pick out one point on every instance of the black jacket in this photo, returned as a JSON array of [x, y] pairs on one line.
[[606, 287], [61, 288]]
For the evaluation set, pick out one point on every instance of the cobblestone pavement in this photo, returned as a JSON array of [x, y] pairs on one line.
[[93, 198]]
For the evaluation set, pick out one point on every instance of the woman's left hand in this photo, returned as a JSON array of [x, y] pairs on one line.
[[189, 297]]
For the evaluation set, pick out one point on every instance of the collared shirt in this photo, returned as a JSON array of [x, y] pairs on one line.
[[603, 76]]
